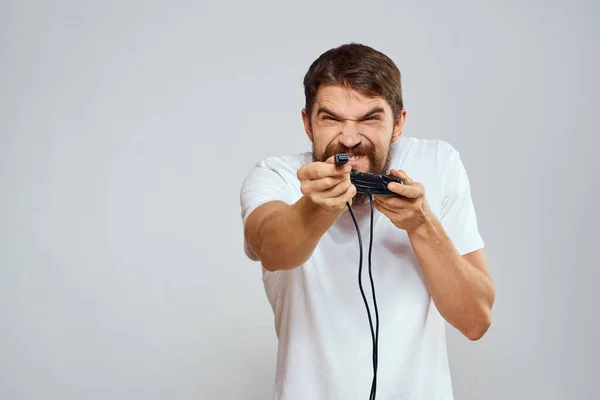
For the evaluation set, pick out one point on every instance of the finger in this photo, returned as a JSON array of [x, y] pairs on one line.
[[343, 199], [319, 185], [348, 195], [409, 191], [402, 175], [394, 202], [337, 190], [382, 208], [320, 170]]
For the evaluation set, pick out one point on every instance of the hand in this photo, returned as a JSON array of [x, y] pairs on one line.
[[409, 210], [327, 185]]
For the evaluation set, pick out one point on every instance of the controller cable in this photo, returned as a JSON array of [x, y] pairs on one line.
[[374, 332]]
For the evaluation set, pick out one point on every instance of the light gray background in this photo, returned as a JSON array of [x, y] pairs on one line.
[[126, 128]]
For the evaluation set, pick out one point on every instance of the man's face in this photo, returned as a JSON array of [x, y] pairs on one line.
[[344, 121]]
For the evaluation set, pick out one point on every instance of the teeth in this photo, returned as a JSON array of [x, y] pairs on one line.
[[354, 158]]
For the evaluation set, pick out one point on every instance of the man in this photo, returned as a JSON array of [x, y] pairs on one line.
[[428, 262]]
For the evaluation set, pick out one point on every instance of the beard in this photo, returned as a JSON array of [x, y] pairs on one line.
[[378, 163]]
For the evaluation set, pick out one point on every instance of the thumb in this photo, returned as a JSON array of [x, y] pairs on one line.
[[402, 175]]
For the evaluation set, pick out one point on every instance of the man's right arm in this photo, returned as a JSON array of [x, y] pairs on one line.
[[284, 236]]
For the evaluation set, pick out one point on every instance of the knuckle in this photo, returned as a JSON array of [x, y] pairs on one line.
[[327, 203], [344, 187], [349, 193], [324, 184], [335, 183]]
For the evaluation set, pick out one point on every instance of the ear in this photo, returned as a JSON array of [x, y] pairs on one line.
[[307, 124], [399, 126]]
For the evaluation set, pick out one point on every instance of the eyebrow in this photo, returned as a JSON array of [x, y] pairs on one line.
[[325, 110]]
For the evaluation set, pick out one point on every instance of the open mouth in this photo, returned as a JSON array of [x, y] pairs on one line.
[[354, 157]]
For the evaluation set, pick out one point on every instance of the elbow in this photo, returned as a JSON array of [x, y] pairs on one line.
[[280, 259], [267, 263], [277, 258], [475, 335], [480, 327], [483, 320], [275, 267], [271, 267], [279, 265]]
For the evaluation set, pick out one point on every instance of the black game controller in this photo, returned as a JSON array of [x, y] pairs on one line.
[[367, 182]]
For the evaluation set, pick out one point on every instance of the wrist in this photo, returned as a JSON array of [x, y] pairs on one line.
[[422, 230], [427, 227]]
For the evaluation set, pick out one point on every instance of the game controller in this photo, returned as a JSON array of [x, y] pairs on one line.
[[367, 182]]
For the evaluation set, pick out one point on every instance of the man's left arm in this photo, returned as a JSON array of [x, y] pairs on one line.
[[460, 286], [453, 262]]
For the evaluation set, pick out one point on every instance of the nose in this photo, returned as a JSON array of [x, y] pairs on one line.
[[350, 136]]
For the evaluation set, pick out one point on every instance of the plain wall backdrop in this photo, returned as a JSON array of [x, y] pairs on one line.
[[127, 127]]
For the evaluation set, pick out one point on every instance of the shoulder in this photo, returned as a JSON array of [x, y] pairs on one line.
[[436, 164], [283, 165], [426, 150], [427, 160], [275, 170], [273, 178], [441, 167]]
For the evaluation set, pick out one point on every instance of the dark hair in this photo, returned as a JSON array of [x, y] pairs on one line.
[[360, 68]]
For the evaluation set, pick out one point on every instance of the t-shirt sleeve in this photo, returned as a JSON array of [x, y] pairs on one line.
[[458, 215], [265, 182]]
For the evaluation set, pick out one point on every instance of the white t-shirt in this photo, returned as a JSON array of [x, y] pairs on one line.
[[324, 339]]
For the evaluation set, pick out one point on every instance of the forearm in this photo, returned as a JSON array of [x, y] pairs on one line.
[[289, 235], [463, 294]]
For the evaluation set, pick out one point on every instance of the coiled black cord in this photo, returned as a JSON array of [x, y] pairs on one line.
[[374, 332]]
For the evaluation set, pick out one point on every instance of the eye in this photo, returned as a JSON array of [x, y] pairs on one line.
[[372, 118], [329, 118]]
